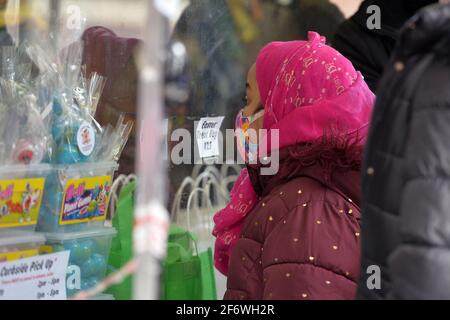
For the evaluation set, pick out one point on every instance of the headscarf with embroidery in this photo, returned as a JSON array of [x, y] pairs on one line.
[[305, 87]]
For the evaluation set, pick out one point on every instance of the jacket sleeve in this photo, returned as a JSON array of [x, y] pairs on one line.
[[299, 261], [419, 266]]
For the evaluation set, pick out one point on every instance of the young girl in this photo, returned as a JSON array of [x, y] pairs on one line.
[[295, 234]]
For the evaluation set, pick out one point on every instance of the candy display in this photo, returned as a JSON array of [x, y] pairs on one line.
[[47, 116], [76, 197], [21, 193], [17, 244], [89, 253], [57, 163]]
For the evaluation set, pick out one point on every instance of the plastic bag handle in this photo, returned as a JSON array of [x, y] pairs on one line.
[[188, 209], [223, 194], [120, 181], [197, 169], [201, 181], [176, 205]]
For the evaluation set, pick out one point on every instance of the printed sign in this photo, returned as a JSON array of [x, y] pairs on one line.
[[35, 278], [207, 135], [85, 200], [20, 202]]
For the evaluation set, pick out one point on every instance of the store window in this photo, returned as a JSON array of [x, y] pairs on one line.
[[221, 40], [73, 123]]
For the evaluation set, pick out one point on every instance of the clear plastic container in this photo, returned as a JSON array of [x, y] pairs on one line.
[[76, 197], [88, 259], [19, 244], [21, 194]]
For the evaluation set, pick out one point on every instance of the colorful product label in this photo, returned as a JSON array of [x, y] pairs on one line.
[[17, 255], [85, 200], [20, 202]]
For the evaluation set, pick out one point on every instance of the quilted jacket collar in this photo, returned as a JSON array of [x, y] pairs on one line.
[[333, 162], [428, 31]]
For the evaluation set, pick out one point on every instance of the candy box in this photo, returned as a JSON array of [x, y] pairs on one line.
[[76, 197], [21, 194], [19, 244], [88, 259]]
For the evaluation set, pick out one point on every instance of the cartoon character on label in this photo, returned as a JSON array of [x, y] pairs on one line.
[[30, 201], [86, 136], [102, 200], [93, 207], [4, 211]]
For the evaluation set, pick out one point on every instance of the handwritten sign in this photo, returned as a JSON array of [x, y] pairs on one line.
[[207, 135], [36, 278]]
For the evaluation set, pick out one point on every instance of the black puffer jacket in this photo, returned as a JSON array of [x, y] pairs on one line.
[[406, 187], [370, 50]]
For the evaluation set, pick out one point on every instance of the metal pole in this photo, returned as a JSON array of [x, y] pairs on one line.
[[151, 218]]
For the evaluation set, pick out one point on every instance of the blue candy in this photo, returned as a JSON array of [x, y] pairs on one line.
[[85, 284], [74, 130], [59, 130], [57, 108], [52, 201], [47, 221], [100, 264], [101, 246], [95, 266], [68, 154], [93, 282], [86, 249], [88, 268], [75, 250]]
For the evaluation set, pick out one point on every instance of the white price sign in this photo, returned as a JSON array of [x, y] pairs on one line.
[[36, 278], [207, 135]]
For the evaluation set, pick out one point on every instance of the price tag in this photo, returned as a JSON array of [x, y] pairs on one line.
[[207, 135], [36, 278]]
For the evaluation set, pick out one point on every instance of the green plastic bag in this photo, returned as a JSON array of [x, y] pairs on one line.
[[208, 278], [187, 274], [122, 245]]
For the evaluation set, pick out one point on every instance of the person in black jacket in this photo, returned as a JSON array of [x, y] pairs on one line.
[[406, 186], [369, 50], [320, 16]]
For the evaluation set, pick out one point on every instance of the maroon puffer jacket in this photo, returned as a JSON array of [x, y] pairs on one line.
[[301, 241]]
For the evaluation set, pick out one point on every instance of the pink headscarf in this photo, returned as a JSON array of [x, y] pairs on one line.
[[305, 87]]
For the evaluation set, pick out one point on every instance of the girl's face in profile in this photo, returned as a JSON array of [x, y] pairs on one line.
[[253, 100]]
